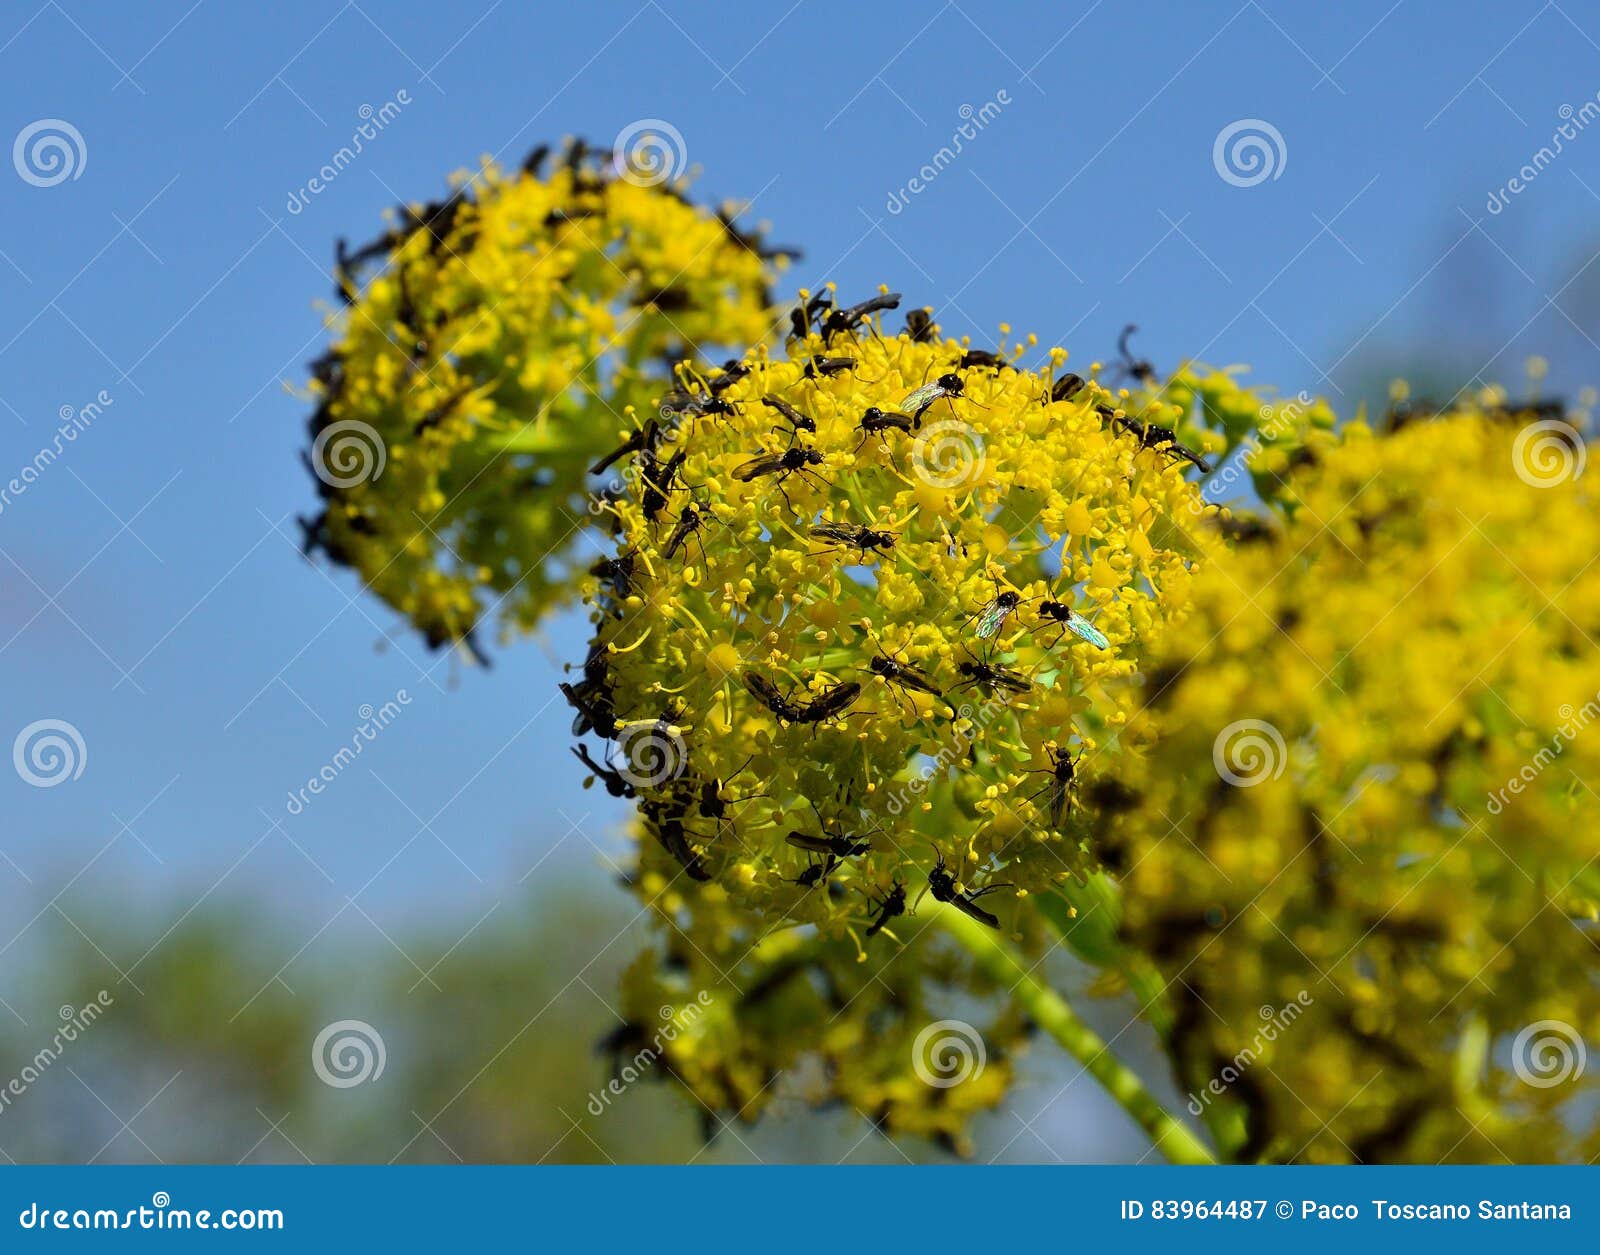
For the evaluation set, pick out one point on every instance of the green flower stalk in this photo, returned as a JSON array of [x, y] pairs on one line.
[[489, 350]]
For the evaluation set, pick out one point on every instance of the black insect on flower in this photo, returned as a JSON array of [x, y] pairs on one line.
[[945, 888], [826, 705], [892, 905], [864, 540], [1061, 772], [846, 319], [797, 421], [616, 784]]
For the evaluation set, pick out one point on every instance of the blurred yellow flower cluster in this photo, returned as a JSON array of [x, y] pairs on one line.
[[873, 620], [1358, 839], [479, 373]]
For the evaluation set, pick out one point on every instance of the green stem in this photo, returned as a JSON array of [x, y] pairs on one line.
[[1050, 1011]]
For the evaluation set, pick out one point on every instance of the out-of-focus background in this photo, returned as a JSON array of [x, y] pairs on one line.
[[454, 888]]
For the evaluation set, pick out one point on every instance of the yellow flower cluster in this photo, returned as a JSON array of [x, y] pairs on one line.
[[1359, 835], [473, 381], [873, 618], [745, 1019]]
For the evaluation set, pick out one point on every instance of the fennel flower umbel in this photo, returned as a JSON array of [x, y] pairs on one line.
[[872, 621], [484, 367]]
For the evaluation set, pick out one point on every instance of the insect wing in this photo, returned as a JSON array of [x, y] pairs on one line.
[[1084, 630], [756, 467], [921, 398]]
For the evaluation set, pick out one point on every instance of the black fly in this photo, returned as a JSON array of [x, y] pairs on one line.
[[1060, 771], [992, 678], [944, 888], [798, 422], [893, 904], [616, 784], [853, 536], [839, 846], [1131, 367], [824, 706], [1154, 436]]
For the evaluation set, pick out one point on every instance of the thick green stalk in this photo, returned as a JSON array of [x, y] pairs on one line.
[[1051, 1012]]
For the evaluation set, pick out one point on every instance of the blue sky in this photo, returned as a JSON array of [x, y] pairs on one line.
[[151, 592]]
